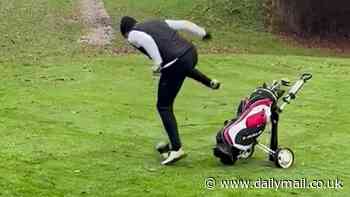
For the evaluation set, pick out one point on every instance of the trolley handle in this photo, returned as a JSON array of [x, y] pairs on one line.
[[306, 76], [292, 92]]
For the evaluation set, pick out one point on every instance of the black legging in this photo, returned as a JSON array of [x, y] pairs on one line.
[[170, 84]]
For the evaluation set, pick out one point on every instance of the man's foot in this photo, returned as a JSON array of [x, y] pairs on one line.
[[174, 156], [163, 149], [215, 84]]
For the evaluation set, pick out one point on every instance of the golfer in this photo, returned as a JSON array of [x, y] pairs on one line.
[[174, 58]]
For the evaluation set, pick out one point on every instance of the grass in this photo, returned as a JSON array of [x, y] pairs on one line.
[[236, 26], [88, 127], [76, 122], [35, 30]]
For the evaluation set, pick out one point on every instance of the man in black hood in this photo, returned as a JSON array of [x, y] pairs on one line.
[[174, 58]]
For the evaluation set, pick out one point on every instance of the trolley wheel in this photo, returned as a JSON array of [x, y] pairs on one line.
[[284, 158], [247, 154]]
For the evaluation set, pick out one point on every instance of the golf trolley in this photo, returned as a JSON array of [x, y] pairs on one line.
[[283, 157]]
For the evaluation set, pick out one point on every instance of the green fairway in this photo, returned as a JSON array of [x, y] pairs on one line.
[[88, 127], [81, 121]]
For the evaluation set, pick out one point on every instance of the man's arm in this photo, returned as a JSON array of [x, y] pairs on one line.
[[140, 39], [187, 26]]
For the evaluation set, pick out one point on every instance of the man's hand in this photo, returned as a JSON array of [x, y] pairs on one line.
[[156, 70], [207, 36]]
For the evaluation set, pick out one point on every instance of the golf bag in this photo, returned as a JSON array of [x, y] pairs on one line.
[[239, 134], [237, 139]]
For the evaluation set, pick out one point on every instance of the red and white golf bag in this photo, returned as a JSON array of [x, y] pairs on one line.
[[237, 139], [240, 134]]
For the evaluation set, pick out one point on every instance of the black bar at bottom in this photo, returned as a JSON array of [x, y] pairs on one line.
[[274, 134]]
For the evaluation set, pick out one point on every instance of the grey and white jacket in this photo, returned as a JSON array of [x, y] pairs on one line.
[[161, 42]]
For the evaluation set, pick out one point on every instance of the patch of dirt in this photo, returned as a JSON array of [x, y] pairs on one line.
[[98, 23]]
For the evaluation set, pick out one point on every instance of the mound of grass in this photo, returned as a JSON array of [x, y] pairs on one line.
[[237, 26], [32, 30]]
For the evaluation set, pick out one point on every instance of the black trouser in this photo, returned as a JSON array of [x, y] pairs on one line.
[[170, 84]]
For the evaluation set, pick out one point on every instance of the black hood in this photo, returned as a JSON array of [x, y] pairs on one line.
[[126, 25]]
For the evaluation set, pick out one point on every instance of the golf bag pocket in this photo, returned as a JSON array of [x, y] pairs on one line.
[[243, 131], [256, 120]]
